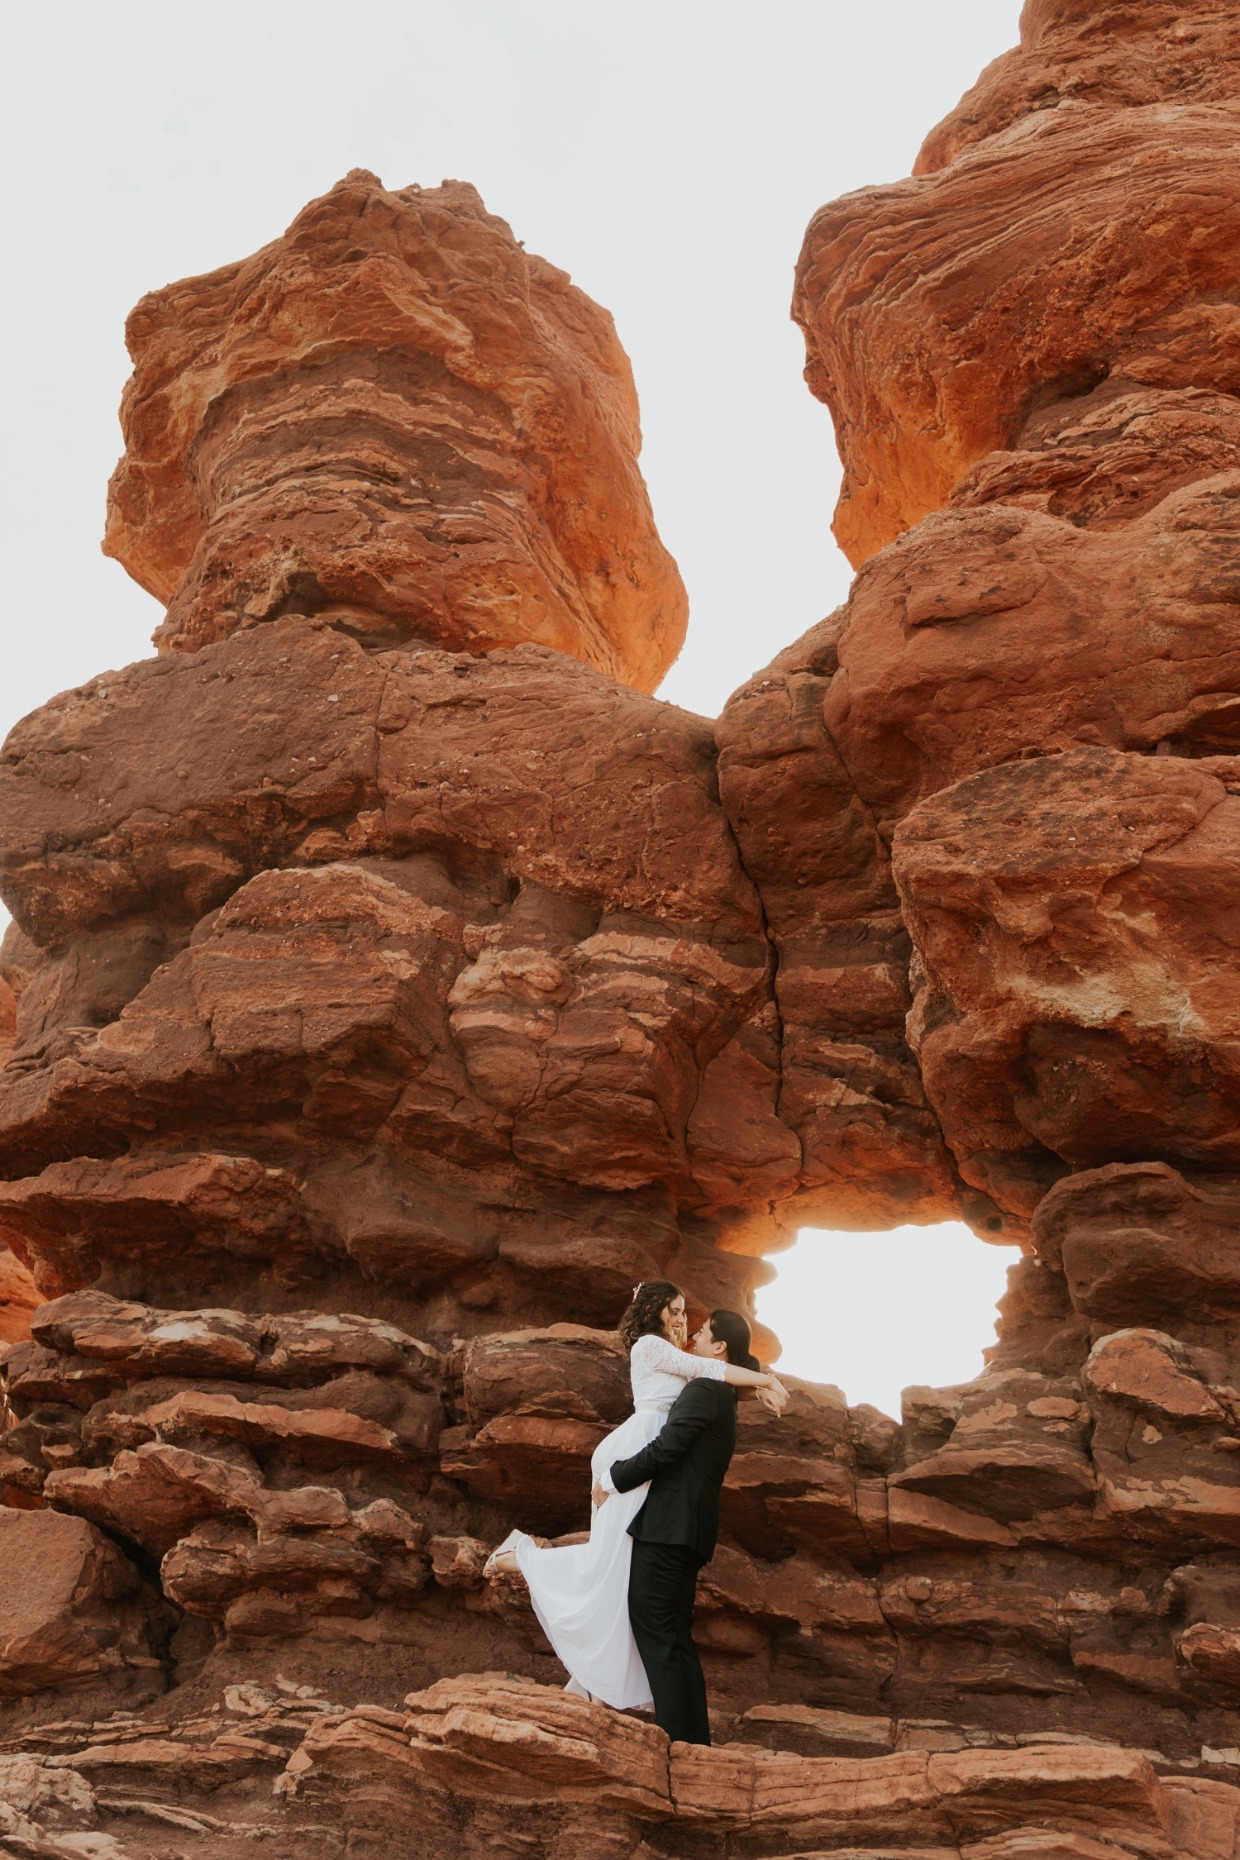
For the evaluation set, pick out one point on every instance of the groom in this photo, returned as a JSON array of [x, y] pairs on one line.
[[673, 1535]]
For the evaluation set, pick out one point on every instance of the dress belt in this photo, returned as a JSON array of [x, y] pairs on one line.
[[652, 1407]]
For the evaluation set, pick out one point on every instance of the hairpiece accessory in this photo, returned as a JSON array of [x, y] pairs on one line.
[[637, 1288]]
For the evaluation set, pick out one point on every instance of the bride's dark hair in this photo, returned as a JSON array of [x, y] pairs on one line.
[[644, 1316], [730, 1329]]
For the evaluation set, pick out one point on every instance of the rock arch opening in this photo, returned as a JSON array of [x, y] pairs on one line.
[[878, 1312]]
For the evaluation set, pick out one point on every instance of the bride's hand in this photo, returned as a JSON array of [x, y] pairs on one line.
[[774, 1397], [599, 1495]]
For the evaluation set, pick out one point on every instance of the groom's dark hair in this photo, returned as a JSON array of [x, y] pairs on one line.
[[731, 1329]]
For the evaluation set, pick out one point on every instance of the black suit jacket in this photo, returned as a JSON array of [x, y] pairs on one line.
[[685, 1464]]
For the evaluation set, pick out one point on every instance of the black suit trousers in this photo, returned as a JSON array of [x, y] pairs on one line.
[[662, 1585]]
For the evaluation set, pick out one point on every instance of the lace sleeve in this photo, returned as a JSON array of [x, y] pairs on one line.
[[662, 1357]]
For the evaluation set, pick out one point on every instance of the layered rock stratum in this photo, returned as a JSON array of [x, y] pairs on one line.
[[394, 980]]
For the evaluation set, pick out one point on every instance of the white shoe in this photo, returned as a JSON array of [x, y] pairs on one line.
[[576, 1690], [488, 1568]]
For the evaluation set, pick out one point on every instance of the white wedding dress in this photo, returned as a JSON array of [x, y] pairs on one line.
[[580, 1592]]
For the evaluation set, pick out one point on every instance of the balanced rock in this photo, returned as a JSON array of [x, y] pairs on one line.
[[396, 417]]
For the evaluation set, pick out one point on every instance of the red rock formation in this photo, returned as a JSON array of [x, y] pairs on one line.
[[1073, 1010], [1140, 1240], [941, 316], [395, 417], [19, 1296], [1082, 52], [390, 991], [495, 1741], [71, 1611], [994, 633]]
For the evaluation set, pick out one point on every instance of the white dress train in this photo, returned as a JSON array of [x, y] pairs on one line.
[[580, 1592]]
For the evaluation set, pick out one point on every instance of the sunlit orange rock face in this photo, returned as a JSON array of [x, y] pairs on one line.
[[478, 951], [1029, 351], [395, 980], [19, 1296], [395, 416], [1073, 227]]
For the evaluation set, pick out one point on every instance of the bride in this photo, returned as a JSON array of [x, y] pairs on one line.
[[580, 1591]]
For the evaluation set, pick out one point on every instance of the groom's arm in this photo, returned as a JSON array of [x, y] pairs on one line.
[[693, 1410]]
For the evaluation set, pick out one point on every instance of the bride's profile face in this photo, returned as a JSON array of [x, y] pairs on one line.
[[674, 1322]]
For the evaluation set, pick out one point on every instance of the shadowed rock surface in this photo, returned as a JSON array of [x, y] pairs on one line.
[[394, 981]]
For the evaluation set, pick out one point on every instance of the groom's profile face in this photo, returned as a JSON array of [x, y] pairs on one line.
[[705, 1343]]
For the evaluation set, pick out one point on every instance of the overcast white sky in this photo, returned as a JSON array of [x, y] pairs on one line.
[[667, 153]]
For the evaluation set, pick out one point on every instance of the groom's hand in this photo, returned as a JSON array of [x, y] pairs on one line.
[[600, 1495]]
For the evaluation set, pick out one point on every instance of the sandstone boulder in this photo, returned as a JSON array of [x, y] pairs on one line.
[[71, 1611], [395, 415], [976, 602], [935, 359], [164, 786], [1073, 1008], [1138, 1239], [1164, 1440]]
